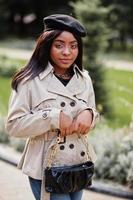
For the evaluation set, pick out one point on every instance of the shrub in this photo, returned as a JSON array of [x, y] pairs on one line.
[[4, 138], [17, 144], [114, 154], [8, 66]]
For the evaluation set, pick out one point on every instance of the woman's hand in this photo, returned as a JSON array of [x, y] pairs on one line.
[[83, 122], [66, 127]]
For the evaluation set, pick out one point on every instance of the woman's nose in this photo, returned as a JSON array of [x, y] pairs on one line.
[[66, 51]]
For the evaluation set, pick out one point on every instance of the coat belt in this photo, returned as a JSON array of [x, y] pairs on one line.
[[47, 136]]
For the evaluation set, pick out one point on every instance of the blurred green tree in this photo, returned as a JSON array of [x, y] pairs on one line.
[[92, 14], [25, 17], [120, 20]]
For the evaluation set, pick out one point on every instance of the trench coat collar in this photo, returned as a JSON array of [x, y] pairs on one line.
[[50, 69], [75, 86]]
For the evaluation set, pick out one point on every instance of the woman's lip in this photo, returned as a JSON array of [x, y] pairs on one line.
[[65, 60]]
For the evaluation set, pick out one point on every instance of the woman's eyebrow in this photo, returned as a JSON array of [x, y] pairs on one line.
[[59, 40]]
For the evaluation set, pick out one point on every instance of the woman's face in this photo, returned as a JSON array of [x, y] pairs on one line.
[[64, 51]]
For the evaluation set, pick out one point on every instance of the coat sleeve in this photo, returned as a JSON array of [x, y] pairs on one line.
[[91, 105], [22, 122]]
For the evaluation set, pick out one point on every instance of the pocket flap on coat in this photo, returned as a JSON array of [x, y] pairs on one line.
[[42, 98]]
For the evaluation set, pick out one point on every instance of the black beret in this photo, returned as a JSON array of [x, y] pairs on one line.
[[64, 22]]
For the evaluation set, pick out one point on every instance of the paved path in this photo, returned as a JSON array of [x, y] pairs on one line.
[[26, 54], [15, 53], [119, 64], [15, 186]]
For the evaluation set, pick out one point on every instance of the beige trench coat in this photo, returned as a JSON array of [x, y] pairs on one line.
[[34, 112]]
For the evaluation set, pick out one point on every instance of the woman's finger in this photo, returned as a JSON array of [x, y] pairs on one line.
[[86, 130], [62, 132], [67, 131], [80, 128], [75, 126]]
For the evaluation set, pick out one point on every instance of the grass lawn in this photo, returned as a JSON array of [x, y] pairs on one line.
[[4, 94], [120, 88]]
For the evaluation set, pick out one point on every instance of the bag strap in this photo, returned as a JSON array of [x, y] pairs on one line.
[[85, 141], [54, 150]]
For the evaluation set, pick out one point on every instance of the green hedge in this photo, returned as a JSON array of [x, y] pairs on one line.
[[4, 138], [114, 151], [9, 66], [16, 143]]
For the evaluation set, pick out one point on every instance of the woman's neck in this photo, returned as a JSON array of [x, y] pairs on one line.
[[61, 70], [65, 74]]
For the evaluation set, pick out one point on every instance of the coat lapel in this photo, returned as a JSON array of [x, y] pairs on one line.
[[55, 86], [75, 86]]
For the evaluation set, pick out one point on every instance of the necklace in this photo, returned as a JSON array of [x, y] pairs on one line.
[[63, 76]]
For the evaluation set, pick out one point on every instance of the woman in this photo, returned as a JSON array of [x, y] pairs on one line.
[[53, 94]]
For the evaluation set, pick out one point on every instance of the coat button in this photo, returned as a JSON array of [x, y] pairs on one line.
[[71, 146], [62, 104], [82, 153], [62, 147], [45, 115], [72, 103]]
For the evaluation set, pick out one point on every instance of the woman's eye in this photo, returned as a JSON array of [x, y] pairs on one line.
[[58, 46], [74, 46]]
